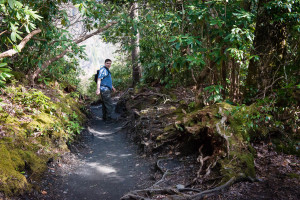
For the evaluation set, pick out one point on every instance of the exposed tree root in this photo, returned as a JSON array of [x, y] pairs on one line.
[[209, 162], [179, 193], [149, 94]]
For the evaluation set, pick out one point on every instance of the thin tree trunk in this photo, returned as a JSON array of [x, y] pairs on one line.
[[232, 80], [135, 42]]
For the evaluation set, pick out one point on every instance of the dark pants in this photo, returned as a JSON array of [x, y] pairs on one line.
[[107, 105]]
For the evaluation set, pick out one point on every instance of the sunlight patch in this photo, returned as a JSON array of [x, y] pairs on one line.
[[102, 168], [98, 132]]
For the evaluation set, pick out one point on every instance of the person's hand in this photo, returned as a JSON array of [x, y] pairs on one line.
[[97, 92], [114, 89]]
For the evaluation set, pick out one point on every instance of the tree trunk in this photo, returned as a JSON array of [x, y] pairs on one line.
[[135, 42], [270, 46]]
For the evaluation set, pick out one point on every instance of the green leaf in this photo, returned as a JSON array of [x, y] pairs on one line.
[[27, 29], [173, 39], [3, 64], [11, 3], [13, 36], [18, 4]]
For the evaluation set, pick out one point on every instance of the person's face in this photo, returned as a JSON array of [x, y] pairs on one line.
[[108, 64]]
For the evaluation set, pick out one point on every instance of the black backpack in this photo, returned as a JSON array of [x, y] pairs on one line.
[[97, 74]]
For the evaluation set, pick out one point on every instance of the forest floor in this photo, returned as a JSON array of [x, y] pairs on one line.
[[111, 160], [104, 164], [153, 112]]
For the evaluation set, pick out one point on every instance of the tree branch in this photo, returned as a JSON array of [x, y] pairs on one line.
[[3, 32], [77, 41], [22, 44]]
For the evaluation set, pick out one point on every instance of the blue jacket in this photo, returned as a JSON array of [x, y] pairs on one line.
[[106, 81]]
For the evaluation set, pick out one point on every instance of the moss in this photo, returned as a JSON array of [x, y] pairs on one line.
[[167, 136], [11, 180], [19, 76], [31, 142], [169, 128], [238, 163], [293, 175]]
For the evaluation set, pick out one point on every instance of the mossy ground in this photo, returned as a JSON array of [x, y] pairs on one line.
[[34, 127]]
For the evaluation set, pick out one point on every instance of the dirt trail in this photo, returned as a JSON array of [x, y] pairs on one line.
[[106, 169]]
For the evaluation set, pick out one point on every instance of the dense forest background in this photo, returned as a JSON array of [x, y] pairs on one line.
[[244, 53], [238, 51], [241, 52]]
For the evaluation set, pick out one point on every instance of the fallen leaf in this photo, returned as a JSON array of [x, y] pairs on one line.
[[44, 192]]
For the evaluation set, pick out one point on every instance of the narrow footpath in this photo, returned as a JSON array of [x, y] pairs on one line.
[[107, 168]]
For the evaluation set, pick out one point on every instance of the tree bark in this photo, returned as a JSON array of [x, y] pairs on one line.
[[270, 46], [77, 41], [22, 44], [135, 42]]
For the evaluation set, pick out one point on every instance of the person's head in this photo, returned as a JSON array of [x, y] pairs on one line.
[[107, 63]]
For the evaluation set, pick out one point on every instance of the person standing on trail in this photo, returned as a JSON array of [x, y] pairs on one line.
[[104, 86]]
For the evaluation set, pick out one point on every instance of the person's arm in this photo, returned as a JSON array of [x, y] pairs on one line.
[[98, 86], [114, 89]]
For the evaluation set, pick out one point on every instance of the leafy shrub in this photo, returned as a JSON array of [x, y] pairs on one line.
[[30, 98], [4, 74], [73, 126], [215, 95], [121, 76]]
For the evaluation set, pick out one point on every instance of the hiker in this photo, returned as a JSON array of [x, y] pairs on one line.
[[104, 86]]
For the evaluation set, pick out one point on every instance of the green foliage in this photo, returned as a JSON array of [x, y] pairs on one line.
[[31, 98], [17, 18], [265, 118], [121, 75], [214, 95], [73, 125], [75, 95], [4, 74]]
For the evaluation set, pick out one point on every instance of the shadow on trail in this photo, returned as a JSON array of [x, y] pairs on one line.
[[109, 167]]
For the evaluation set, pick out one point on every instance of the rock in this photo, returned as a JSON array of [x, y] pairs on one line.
[[179, 186]]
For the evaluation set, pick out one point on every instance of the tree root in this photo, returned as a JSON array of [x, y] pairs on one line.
[[149, 191], [165, 172], [211, 161], [178, 193], [149, 94]]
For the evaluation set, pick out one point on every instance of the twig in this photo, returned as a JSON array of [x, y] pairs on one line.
[[3, 32]]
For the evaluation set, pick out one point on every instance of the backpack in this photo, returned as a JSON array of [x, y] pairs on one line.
[[97, 74]]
